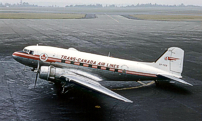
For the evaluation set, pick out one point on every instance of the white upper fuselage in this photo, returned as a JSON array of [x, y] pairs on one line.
[[54, 55]]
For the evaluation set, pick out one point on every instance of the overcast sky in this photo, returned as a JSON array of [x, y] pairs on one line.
[[117, 2]]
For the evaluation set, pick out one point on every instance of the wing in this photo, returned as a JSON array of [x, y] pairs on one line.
[[173, 78], [89, 83]]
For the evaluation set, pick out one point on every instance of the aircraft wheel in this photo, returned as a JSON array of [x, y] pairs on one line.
[[157, 83], [58, 88]]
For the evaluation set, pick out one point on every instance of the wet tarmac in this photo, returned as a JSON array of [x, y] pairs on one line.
[[137, 40]]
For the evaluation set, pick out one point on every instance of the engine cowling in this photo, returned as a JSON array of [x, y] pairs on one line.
[[50, 72]]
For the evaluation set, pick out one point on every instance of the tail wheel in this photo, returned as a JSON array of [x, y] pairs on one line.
[[157, 83]]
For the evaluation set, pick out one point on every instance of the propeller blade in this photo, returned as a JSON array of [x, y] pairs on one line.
[[36, 79], [38, 65], [37, 73]]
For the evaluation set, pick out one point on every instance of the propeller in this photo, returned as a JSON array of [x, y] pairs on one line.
[[37, 73]]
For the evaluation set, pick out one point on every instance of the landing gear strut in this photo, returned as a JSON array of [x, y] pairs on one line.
[[63, 87]]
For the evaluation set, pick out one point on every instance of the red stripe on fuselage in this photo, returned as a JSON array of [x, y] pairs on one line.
[[94, 66], [35, 57], [140, 73], [53, 60], [120, 71], [112, 69], [77, 63], [103, 68], [50, 59], [68, 62], [24, 55], [85, 65]]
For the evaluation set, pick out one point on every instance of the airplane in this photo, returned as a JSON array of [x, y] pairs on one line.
[[70, 66]]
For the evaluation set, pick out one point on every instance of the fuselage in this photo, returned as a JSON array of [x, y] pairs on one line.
[[104, 67]]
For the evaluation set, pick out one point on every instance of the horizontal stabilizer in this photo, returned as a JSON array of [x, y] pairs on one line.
[[173, 78]]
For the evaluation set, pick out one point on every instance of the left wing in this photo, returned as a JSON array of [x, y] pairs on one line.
[[89, 83]]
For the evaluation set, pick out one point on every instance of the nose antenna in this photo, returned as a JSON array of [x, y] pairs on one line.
[[109, 54]]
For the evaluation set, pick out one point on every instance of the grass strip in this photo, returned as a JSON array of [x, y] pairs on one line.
[[168, 17], [40, 16]]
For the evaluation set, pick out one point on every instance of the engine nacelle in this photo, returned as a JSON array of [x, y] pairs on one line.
[[50, 72]]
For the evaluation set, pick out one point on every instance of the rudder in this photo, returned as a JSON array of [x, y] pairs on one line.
[[171, 61]]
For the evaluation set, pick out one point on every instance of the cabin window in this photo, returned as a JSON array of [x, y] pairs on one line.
[[107, 68], [63, 61], [31, 52]]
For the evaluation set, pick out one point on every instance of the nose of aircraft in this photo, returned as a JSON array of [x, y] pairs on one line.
[[14, 55], [18, 56]]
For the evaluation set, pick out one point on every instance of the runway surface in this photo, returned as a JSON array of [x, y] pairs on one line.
[[137, 40]]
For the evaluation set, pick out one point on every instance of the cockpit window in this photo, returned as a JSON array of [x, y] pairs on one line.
[[25, 50], [28, 51]]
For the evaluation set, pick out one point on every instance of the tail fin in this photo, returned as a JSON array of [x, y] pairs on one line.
[[171, 61]]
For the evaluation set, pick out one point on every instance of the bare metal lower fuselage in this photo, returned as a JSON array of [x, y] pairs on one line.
[[102, 74]]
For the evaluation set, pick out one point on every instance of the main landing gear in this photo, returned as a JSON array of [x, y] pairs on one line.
[[63, 88]]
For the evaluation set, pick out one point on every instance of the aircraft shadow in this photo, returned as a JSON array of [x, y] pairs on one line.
[[82, 104], [174, 88]]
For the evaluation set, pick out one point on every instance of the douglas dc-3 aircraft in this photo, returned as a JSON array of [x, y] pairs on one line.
[[70, 66]]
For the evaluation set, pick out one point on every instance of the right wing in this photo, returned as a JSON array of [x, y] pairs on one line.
[[86, 82]]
